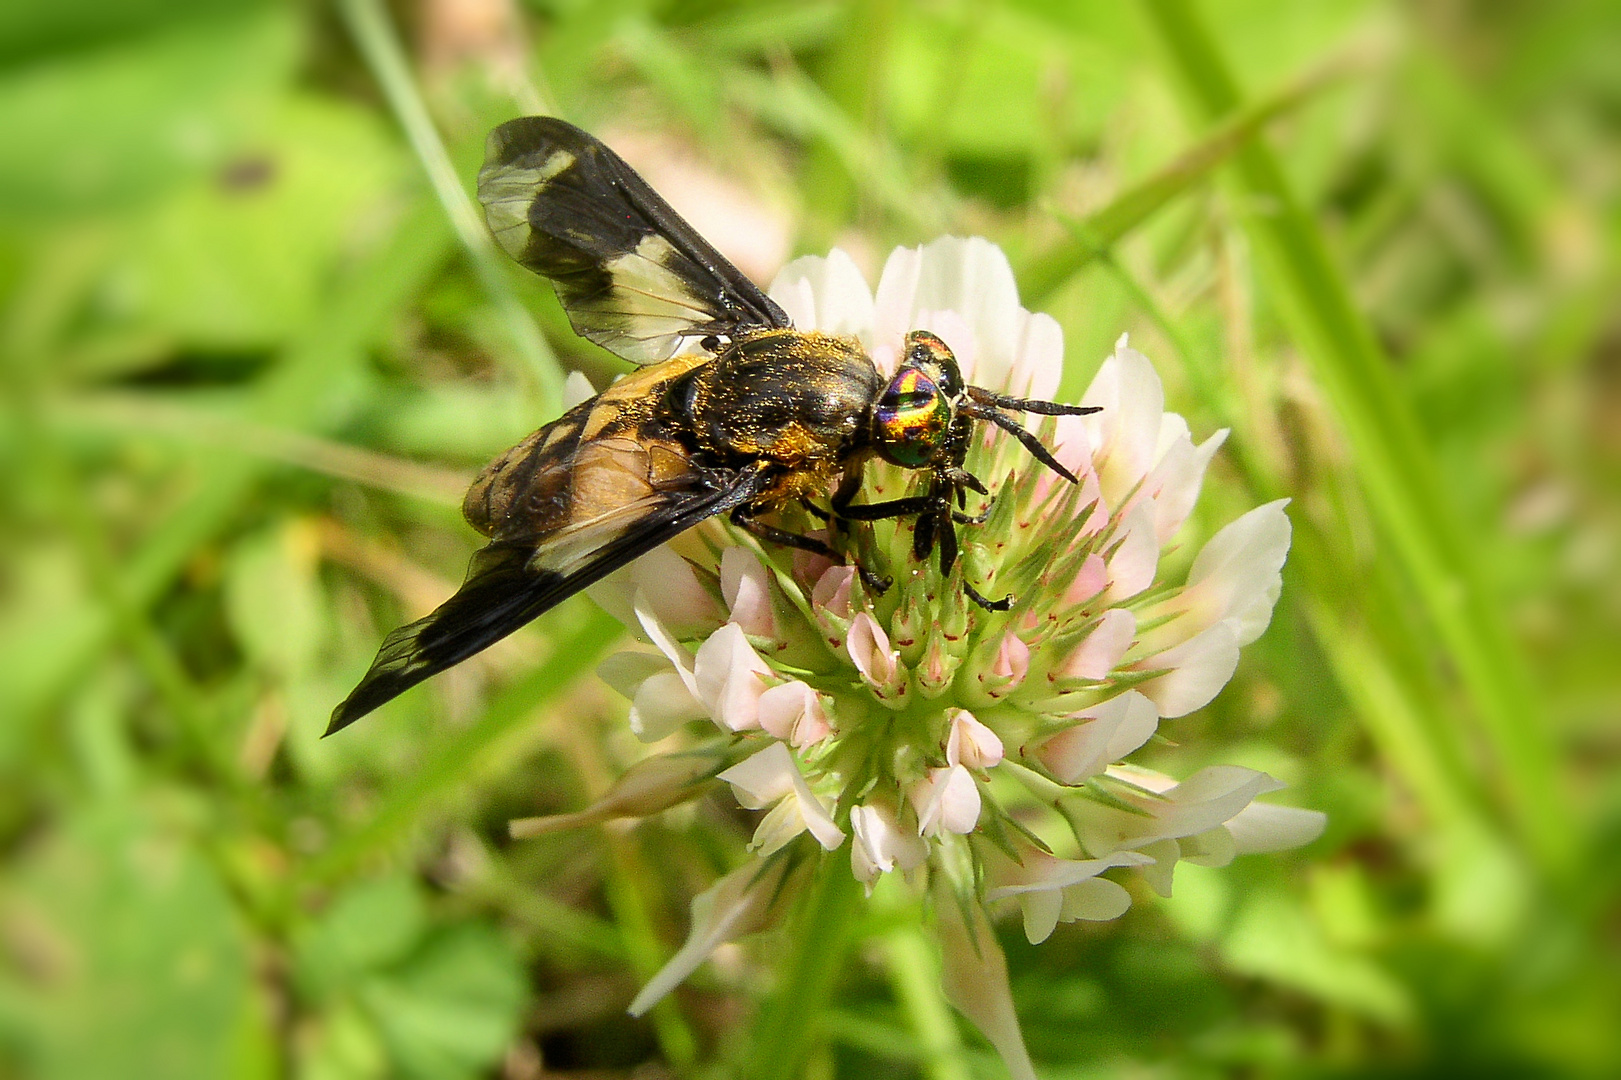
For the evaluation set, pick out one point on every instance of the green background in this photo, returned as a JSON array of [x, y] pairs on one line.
[[253, 346]]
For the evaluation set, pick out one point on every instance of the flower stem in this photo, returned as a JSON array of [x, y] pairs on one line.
[[789, 1024], [915, 976]]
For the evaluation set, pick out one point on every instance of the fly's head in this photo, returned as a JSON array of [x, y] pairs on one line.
[[913, 419]]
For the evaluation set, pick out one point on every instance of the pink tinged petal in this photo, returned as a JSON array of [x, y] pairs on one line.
[[974, 977], [671, 592], [728, 673], [745, 901], [1236, 576], [809, 566], [1012, 662], [971, 743], [1117, 727], [1090, 580], [650, 785], [1127, 440], [945, 800], [1136, 557], [869, 650], [881, 845], [1198, 670], [772, 778], [830, 295], [745, 584], [832, 591], [1104, 647], [793, 712], [1263, 827]]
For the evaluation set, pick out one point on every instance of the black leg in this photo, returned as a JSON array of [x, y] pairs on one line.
[[894, 508], [1043, 408], [989, 605], [742, 518], [1029, 441]]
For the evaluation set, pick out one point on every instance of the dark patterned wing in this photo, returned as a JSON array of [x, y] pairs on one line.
[[506, 589], [606, 482], [632, 275]]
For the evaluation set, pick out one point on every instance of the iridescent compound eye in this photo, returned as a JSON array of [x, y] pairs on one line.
[[910, 419]]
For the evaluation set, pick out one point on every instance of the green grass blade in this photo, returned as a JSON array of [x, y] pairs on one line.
[[369, 24], [1395, 464]]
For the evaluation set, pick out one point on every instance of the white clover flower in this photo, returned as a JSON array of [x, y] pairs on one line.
[[884, 718]]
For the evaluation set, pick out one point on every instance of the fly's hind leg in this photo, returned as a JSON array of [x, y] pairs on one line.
[[744, 518]]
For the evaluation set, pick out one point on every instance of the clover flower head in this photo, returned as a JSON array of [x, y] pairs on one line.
[[979, 754]]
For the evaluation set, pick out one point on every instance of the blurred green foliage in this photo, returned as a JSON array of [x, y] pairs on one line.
[[250, 355]]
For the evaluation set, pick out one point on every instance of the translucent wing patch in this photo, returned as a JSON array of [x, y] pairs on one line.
[[632, 275]]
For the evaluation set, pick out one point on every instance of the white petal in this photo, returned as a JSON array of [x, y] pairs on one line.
[[1213, 847], [1041, 911], [1126, 433], [1211, 797], [1094, 900], [1104, 647], [946, 800], [728, 673], [671, 592], [974, 977], [772, 776], [745, 584], [626, 671], [1161, 873], [829, 295], [1038, 364], [969, 277], [1263, 827], [970, 742], [1177, 480], [761, 779], [1199, 669], [662, 705], [880, 844], [738, 904], [1119, 726], [660, 635]]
